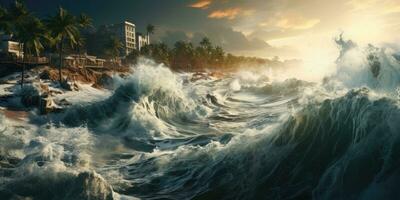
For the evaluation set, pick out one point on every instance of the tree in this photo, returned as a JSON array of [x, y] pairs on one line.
[[13, 19], [159, 52], [132, 57], [183, 55], [206, 43], [217, 55], [150, 30], [80, 43], [64, 27], [15, 16], [85, 21], [113, 47], [5, 23], [32, 33], [162, 53], [23, 28], [204, 51]]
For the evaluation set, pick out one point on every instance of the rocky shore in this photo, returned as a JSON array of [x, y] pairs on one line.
[[42, 93]]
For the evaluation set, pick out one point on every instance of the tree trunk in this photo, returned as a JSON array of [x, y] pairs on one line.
[[23, 71], [80, 63], [61, 61]]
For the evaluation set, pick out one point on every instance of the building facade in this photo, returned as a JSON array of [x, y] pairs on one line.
[[126, 32], [8, 46], [142, 40]]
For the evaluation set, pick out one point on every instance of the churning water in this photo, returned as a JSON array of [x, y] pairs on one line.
[[245, 136]]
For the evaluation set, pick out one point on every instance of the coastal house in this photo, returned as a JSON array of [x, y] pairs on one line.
[[125, 31], [83, 61], [9, 47]]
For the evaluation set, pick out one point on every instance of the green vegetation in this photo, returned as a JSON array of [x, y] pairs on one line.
[[25, 28], [150, 30], [64, 29], [65, 33], [113, 47], [59, 31], [32, 33], [185, 56]]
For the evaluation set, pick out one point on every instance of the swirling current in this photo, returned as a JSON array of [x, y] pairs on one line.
[[161, 135]]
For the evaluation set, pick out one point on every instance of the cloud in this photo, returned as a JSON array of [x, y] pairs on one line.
[[172, 36], [290, 21], [202, 4], [230, 13], [225, 37], [268, 35], [230, 40], [298, 23], [378, 6]]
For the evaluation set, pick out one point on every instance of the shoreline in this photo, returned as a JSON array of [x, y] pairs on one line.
[[49, 97]]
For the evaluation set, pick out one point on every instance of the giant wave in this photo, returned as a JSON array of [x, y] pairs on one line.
[[161, 136]]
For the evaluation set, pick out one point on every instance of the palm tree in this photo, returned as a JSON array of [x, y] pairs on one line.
[[183, 53], [18, 23], [32, 33], [64, 27], [14, 18], [205, 42], [204, 51], [16, 15], [218, 55], [80, 43], [113, 47], [85, 21], [5, 24], [150, 30]]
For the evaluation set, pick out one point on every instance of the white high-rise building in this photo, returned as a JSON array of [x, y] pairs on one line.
[[126, 32], [142, 40]]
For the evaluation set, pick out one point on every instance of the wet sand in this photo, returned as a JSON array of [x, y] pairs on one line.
[[17, 115]]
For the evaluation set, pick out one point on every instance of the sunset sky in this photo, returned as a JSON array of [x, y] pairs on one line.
[[287, 28]]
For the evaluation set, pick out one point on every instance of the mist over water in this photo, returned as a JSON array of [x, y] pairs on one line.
[[248, 135]]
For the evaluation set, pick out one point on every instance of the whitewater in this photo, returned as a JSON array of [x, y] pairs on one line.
[[249, 135]]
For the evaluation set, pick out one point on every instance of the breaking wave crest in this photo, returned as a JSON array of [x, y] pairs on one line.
[[144, 104], [320, 152], [377, 68], [243, 136]]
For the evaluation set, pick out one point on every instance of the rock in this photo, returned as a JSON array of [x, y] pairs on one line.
[[44, 89], [375, 65], [30, 96], [397, 57], [90, 185], [63, 185], [198, 76], [45, 75], [105, 81], [63, 102], [70, 86], [47, 105], [213, 99]]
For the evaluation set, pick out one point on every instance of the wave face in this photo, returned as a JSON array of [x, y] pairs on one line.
[[164, 135]]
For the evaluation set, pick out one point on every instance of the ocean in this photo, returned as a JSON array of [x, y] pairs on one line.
[[247, 135]]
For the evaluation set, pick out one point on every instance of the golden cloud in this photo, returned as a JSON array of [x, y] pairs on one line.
[[297, 23], [202, 4], [230, 13], [376, 6]]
